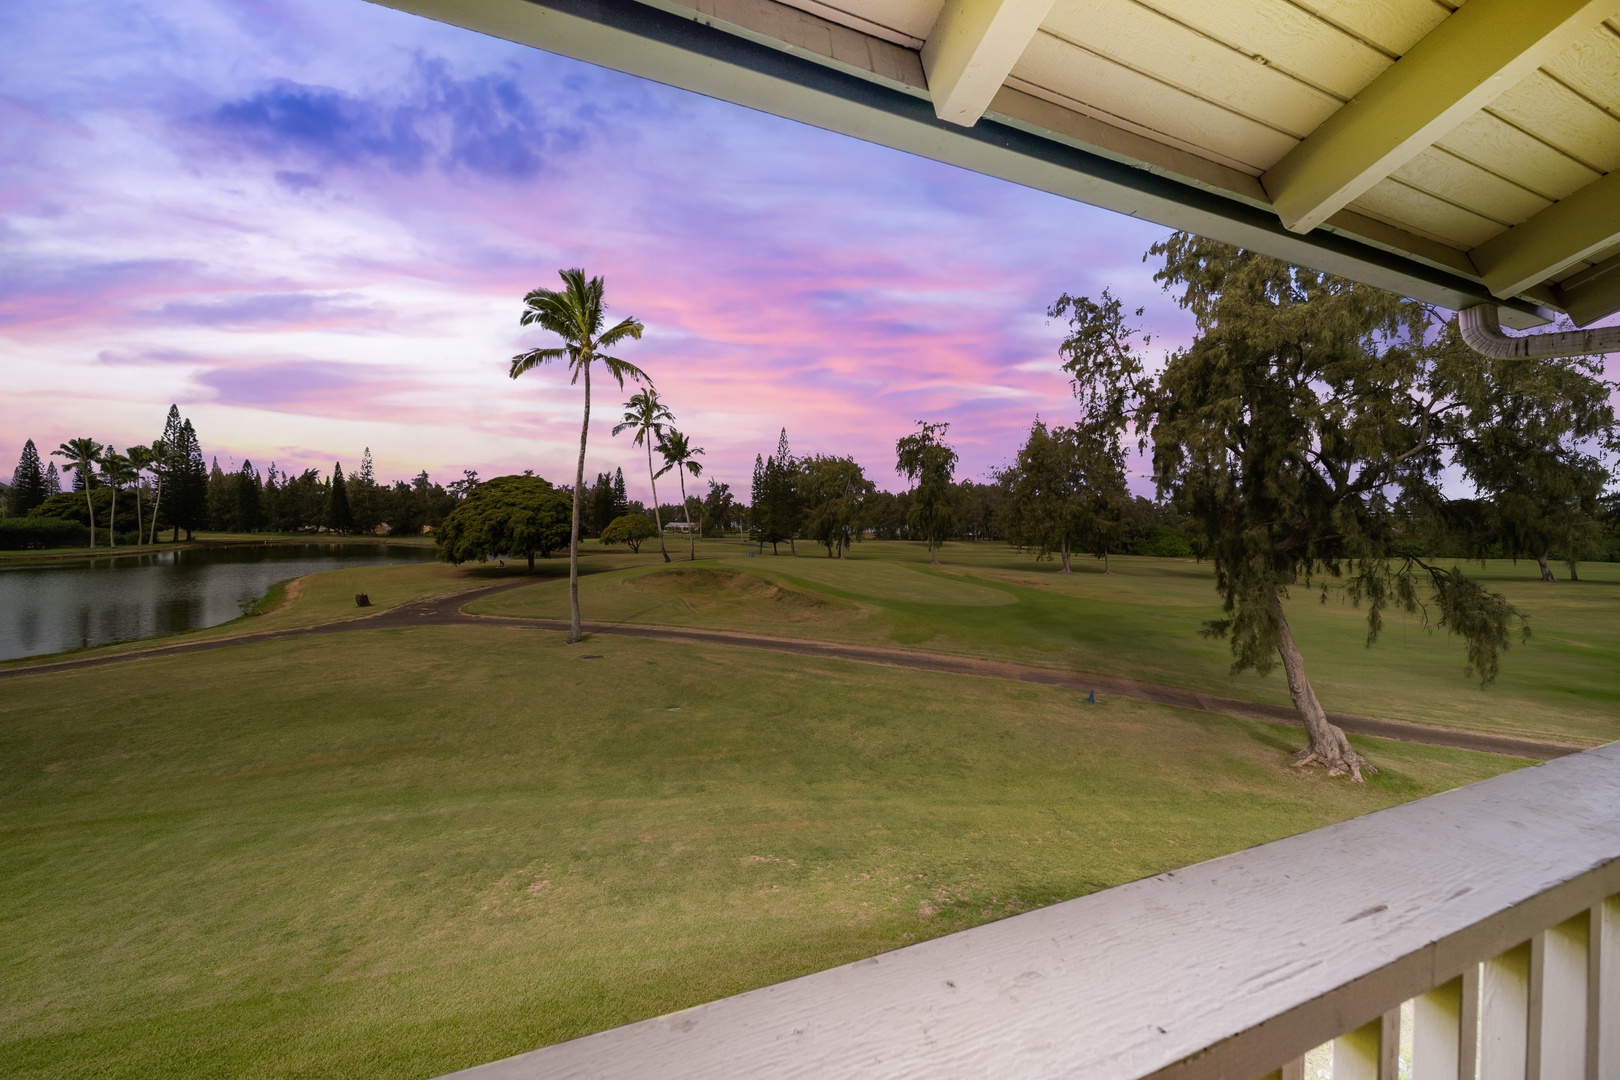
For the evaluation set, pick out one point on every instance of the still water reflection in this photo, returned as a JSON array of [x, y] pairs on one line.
[[51, 606]]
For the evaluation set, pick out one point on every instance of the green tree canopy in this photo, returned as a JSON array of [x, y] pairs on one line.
[[834, 491], [630, 530], [517, 516], [928, 462], [27, 481], [1300, 429]]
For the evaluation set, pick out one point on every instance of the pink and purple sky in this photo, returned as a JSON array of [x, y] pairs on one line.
[[311, 225]]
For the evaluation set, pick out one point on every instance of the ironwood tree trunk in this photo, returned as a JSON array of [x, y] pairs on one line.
[[575, 633], [1066, 569], [1327, 746], [1546, 571]]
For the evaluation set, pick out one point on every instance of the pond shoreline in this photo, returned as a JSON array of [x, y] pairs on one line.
[[237, 541]]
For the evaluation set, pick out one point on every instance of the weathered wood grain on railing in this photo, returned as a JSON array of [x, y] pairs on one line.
[[1229, 969]]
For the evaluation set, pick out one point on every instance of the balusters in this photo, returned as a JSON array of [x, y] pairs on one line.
[[1505, 1015], [1558, 1001], [1371, 1052], [1438, 1033], [1603, 991]]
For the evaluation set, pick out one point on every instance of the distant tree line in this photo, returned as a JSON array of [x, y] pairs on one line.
[[167, 486]]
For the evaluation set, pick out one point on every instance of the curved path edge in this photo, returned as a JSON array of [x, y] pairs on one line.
[[448, 610]]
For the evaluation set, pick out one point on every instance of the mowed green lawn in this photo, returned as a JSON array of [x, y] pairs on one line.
[[392, 853], [1142, 621]]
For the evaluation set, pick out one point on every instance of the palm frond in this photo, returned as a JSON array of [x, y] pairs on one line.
[[534, 358], [627, 328], [621, 368]]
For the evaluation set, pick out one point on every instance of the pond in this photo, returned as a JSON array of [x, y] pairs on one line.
[[48, 607]]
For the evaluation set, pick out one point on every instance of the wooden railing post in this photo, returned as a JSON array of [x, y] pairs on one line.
[[1437, 1034], [1371, 1052], [1505, 1015], [1603, 991], [1558, 992]]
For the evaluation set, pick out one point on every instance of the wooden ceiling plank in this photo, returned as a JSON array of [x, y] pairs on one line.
[[1492, 143], [1283, 36], [1469, 186], [1119, 91], [1161, 139], [1146, 41], [1483, 49], [971, 50], [1563, 119], [1591, 67], [1426, 214], [1567, 231], [1393, 26]]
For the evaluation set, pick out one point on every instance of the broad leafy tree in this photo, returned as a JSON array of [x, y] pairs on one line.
[[27, 481], [519, 516], [649, 418], [577, 314], [679, 454], [834, 490], [928, 463], [1044, 491], [1302, 420], [630, 530], [81, 456]]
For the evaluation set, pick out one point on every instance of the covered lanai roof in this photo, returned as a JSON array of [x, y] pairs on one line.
[[1456, 153]]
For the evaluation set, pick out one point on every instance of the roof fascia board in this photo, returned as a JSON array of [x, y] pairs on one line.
[[814, 82], [972, 49], [1556, 238], [1477, 53]]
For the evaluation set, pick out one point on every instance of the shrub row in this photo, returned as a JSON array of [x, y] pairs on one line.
[[17, 534]]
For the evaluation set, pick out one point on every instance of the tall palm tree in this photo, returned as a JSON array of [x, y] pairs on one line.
[[117, 470], [575, 313], [83, 455], [648, 417], [680, 455], [140, 460]]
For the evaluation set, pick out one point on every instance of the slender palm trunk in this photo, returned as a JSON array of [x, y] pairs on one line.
[[1327, 744], [140, 529], [574, 631], [687, 508], [112, 520], [653, 480], [157, 501], [92, 508]]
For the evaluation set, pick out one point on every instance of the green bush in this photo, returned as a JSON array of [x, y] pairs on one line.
[[18, 534], [1165, 542]]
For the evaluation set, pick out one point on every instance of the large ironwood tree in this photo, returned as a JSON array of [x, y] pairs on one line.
[[1304, 429]]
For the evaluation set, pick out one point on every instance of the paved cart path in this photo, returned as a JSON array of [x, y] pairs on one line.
[[448, 611]]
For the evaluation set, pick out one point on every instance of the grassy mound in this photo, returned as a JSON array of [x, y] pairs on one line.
[[730, 587]]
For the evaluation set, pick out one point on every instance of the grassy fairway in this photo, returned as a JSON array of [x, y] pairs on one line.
[[393, 853], [1141, 621]]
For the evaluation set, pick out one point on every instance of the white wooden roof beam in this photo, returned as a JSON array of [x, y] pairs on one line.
[[1555, 239], [972, 49], [1476, 54]]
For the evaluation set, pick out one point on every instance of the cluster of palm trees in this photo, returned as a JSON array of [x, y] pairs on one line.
[[84, 457], [576, 313]]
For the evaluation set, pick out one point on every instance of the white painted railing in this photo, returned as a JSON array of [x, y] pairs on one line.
[[1492, 908]]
